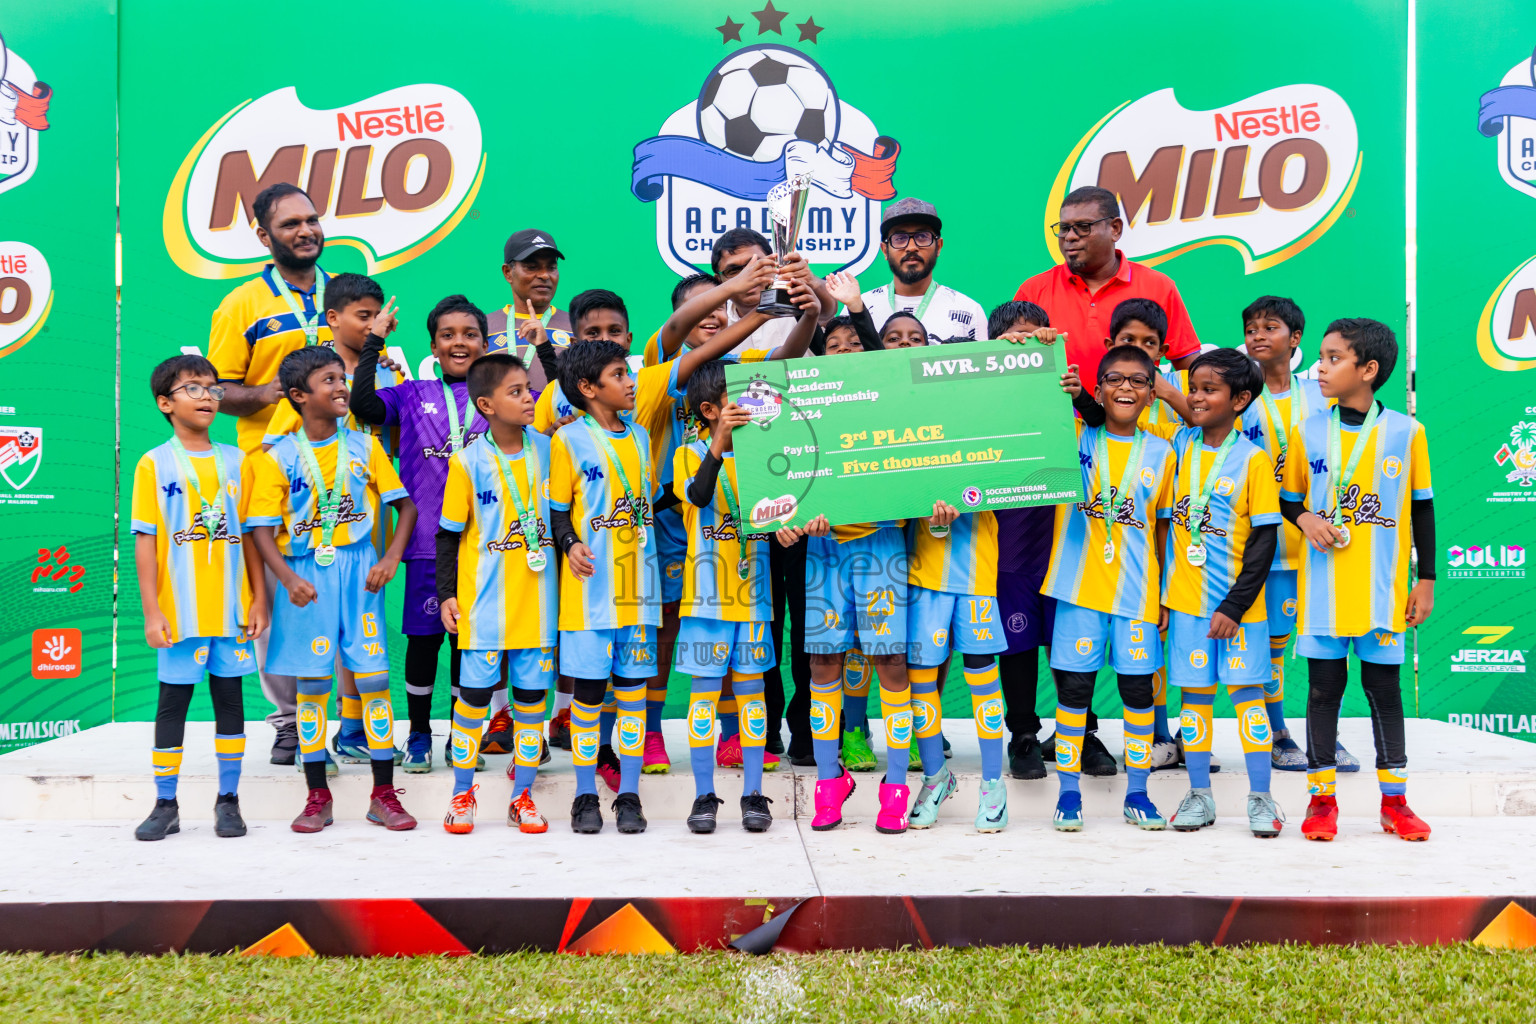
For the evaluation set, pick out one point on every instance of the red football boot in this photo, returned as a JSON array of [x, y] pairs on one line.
[[1396, 816], [1322, 821]]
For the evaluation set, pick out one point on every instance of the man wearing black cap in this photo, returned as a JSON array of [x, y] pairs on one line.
[[530, 263], [910, 238]]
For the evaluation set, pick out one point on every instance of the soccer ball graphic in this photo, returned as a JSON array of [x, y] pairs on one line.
[[757, 100], [26, 439]]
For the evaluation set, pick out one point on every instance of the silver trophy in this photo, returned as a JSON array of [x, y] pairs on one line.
[[786, 204]]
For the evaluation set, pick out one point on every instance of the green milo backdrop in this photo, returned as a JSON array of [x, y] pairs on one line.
[[635, 134]]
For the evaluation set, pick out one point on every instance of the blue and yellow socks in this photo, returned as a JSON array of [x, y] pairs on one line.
[[1195, 729], [464, 740], [754, 730], [1138, 748], [987, 708], [609, 716], [856, 676], [896, 711], [730, 717], [229, 748], [1274, 690], [1160, 706], [704, 694], [314, 697], [351, 726], [1071, 724], [630, 732], [584, 740], [527, 741], [655, 703], [1256, 732], [167, 766], [826, 716], [927, 717]]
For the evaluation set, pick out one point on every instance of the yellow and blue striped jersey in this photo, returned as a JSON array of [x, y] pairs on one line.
[[857, 531], [1258, 427], [558, 329], [625, 587], [201, 583], [1353, 590], [671, 417], [964, 562], [503, 604], [1159, 412], [253, 329], [1245, 495], [281, 494], [286, 419], [712, 587], [1130, 585]]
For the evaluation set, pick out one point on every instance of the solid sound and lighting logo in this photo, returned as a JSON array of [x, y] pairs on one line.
[[1485, 562], [762, 115], [1267, 175], [391, 176]]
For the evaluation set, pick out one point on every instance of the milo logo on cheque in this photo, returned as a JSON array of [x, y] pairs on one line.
[[772, 511]]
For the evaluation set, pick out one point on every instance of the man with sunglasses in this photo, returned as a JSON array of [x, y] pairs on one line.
[[1081, 293], [910, 238]]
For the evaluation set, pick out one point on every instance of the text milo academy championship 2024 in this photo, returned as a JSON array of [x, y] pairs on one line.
[[883, 435]]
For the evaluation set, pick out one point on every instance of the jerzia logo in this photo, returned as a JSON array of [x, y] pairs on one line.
[[392, 175], [23, 114], [1266, 175], [763, 114]]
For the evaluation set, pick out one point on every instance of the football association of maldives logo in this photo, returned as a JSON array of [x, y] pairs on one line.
[[763, 114], [23, 114], [21, 453]]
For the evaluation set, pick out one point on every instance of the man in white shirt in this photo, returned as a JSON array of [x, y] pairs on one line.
[[910, 238]]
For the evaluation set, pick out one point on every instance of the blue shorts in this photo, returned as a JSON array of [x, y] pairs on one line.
[[1027, 614], [1280, 601], [710, 647], [1379, 647], [343, 617], [671, 553], [418, 612], [1082, 635], [857, 590], [628, 652], [937, 622], [1194, 659], [185, 661], [528, 668]]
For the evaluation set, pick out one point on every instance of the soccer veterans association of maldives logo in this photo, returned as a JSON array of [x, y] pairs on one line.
[[763, 114], [21, 453], [391, 176], [1267, 175], [23, 115]]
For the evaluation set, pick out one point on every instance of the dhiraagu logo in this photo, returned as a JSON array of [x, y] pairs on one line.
[[1266, 175]]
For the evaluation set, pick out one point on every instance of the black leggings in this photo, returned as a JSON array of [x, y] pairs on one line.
[[176, 698], [1326, 680], [1020, 675], [592, 691], [421, 674], [1075, 689]]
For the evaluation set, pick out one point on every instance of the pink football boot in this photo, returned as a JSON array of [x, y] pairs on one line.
[[830, 794], [894, 799]]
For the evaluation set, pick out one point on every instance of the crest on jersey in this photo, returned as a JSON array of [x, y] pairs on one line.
[[1197, 659], [320, 646], [23, 115], [763, 114], [201, 655], [1392, 466], [1225, 486], [21, 453]]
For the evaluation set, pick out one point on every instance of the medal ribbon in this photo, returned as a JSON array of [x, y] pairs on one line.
[[529, 523], [1339, 485], [1132, 468], [455, 428], [311, 324], [327, 502], [732, 503], [1200, 487], [1298, 412], [637, 506], [212, 514], [922, 306]]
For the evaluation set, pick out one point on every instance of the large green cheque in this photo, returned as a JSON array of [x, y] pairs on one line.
[[883, 435]]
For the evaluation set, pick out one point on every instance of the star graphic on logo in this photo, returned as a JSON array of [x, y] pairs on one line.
[[768, 19], [730, 32], [809, 30]]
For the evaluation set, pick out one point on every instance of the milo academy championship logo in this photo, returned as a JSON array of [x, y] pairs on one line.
[[23, 116], [765, 113], [390, 175], [1267, 175]]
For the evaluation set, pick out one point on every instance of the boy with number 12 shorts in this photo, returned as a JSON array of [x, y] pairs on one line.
[[1357, 483], [1104, 574], [203, 599], [313, 500], [496, 585], [1226, 514]]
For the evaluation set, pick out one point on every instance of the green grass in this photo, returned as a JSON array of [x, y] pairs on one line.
[[1268, 984]]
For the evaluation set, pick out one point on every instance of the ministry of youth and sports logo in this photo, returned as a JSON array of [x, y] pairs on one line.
[[763, 114], [1506, 332]]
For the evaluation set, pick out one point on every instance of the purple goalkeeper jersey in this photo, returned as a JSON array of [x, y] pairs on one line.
[[417, 407]]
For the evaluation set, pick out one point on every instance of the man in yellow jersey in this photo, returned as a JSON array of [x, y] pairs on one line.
[[258, 323]]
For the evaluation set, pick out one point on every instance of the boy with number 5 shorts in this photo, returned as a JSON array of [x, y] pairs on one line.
[[313, 499], [1225, 516], [1356, 482]]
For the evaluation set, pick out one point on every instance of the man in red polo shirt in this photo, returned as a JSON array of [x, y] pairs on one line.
[[1081, 295]]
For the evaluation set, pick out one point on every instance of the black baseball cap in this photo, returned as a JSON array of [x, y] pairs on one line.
[[912, 211], [527, 242]]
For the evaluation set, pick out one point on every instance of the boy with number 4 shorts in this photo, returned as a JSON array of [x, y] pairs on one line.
[[1226, 513], [203, 599], [313, 499], [496, 585], [1104, 574], [1356, 482]]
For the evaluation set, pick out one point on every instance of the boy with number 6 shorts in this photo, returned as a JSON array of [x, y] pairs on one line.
[[496, 585], [1356, 483], [313, 499], [1226, 514], [203, 599]]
